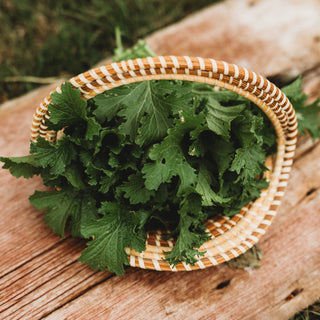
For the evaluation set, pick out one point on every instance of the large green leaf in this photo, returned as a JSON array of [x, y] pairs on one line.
[[112, 233], [62, 205]]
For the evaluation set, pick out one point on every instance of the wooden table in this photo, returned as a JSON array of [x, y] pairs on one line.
[[40, 277]]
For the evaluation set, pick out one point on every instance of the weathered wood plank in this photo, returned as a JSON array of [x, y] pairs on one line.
[[56, 275], [272, 37], [291, 263], [311, 82], [50, 279], [21, 228]]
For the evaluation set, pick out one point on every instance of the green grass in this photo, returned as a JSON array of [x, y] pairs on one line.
[[43, 38], [310, 313]]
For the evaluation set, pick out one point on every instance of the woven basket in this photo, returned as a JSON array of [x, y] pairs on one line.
[[230, 236]]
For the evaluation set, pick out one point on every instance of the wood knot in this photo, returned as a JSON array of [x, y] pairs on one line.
[[293, 294], [223, 284]]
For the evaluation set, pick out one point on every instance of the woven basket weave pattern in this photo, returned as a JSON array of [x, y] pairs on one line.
[[230, 236]]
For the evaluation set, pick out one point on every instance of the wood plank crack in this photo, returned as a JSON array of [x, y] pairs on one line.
[[55, 245], [79, 295]]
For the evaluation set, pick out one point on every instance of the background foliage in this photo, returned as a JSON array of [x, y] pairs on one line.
[[44, 38]]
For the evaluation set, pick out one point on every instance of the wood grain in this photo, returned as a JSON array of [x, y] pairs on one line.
[[47, 276], [277, 38], [40, 277], [291, 263], [271, 37]]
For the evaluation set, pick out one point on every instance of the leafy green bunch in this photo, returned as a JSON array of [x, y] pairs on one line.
[[150, 155]]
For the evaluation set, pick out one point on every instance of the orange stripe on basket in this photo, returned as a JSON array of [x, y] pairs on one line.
[[226, 231]]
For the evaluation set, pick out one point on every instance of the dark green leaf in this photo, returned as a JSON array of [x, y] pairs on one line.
[[219, 118], [62, 205], [112, 233], [56, 156], [21, 166], [308, 115], [309, 119], [191, 233], [248, 162], [169, 161], [67, 108], [204, 189], [144, 101], [110, 102], [107, 181], [74, 175], [135, 190]]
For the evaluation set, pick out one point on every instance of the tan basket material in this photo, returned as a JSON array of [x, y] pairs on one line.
[[230, 236]]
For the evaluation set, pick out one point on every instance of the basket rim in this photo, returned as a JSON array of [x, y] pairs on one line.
[[230, 236]]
